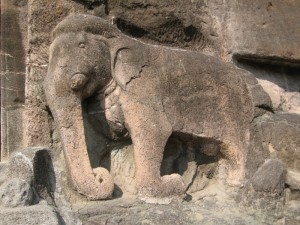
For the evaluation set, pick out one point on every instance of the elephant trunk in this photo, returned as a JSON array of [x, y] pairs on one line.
[[93, 183]]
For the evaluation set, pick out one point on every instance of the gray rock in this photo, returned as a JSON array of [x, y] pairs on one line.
[[270, 177], [20, 166], [32, 215], [292, 213], [15, 192], [282, 133], [26, 174], [129, 211]]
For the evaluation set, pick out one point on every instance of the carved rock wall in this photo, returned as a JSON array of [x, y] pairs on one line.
[[261, 36]]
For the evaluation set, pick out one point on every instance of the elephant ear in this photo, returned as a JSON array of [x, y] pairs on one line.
[[127, 65]]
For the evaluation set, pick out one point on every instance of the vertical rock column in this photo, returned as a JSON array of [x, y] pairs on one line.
[[13, 45]]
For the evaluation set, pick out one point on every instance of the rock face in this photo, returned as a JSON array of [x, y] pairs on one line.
[[259, 36], [270, 177], [281, 137], [15, 193]]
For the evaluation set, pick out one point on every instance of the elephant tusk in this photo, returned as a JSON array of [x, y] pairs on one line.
[[78, 81]]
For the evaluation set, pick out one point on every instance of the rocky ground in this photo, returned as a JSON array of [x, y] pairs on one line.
[[212, 208], [217, 203]]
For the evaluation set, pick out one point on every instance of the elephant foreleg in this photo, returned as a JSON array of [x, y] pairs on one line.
[[150, 130]]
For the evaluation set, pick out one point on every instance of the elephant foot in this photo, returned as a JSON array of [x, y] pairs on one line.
[[163, 191]]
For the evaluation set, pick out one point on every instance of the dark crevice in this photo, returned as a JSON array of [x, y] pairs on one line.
[[51, 123], [183, 148], [266, 107], [49, 112], [91, 4], [61, 221], [190, 32], [171, 33], [44, 176], [130, 29], [268, 60], [282, 72], [135, 5], [193, 179]]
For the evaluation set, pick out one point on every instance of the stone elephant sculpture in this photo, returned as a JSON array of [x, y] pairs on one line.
[[152, 91]]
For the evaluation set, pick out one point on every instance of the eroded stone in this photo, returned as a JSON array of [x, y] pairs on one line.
[[15, 193], [270, 177]]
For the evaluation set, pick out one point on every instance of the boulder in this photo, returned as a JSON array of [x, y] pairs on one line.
[[16, 192], [270, 177], [281, 135]]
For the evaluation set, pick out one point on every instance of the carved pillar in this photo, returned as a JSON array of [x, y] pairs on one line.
[[13, 51]]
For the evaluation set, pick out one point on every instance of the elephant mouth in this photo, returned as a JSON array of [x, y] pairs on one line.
[[78, 81]]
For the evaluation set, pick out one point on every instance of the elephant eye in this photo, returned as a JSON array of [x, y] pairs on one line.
[[81, 45]]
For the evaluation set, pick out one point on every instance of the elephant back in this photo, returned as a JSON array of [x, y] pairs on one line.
[[86, 23]]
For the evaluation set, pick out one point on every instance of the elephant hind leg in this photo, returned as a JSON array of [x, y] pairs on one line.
[[150, 130]]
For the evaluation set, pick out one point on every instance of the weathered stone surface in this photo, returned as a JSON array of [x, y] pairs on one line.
[[125, 102], [15, 193], [259, 29], [281, 136], [123, 170], [189, 26], [197, 164], [292, 192], [27, 176], [270, 177], [12, 128], [12, 69], [222, 28], [32, 215], [182, 25], [280, 81], [22, 164], [292, 213], [191, 23], [261, 36], [293, 180], [206, 211]]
